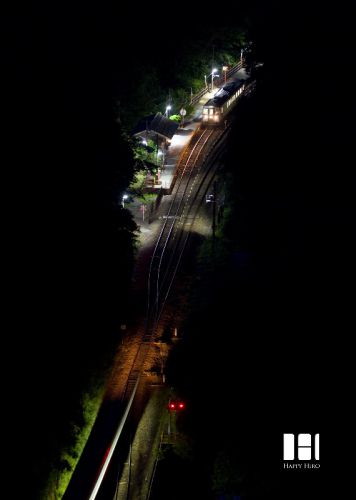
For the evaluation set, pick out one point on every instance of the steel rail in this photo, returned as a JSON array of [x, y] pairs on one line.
[[201, 188], [194, 162], [178, 230], [190, 153]]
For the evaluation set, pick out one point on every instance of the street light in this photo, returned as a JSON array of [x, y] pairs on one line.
[[124, 197], [168, 108], [159, 154], [225, 68], [212, 78]]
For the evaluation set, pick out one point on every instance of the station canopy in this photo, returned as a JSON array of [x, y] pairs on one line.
[[156, 124]]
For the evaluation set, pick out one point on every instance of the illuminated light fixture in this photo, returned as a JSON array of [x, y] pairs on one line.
[[225, 68], [124, 197], [212, 78]]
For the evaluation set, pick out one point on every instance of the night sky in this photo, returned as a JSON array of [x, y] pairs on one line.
[[64, 70]]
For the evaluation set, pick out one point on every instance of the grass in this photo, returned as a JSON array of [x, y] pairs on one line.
[[59, 479]]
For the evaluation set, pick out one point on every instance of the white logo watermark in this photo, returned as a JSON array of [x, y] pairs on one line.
[[301, 447]]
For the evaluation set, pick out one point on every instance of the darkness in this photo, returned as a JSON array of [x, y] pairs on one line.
[[64, 72], [276, 327]]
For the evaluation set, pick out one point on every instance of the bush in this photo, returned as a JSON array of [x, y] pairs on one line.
[[176, 118]]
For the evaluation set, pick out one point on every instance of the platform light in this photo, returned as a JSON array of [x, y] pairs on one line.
[[124, 197], [213, 75], [225, 68]]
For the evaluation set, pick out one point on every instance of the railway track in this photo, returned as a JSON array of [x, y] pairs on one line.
[[194, 178], [188, 169], [192, 182], [114, 414], [194, 175]]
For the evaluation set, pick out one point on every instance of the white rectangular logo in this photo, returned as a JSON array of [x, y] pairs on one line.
[[305, 447]]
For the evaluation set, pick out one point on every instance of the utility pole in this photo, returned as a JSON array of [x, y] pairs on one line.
[[212, 69], [143, 209], [225, 68], [157, 149]]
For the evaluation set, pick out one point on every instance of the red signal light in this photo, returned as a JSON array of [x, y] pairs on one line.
[[176, 405]]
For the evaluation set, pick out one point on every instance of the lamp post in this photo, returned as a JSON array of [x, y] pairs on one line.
[[159, 155], [212, 78], [124, 197], [225, 68], [182, 113]]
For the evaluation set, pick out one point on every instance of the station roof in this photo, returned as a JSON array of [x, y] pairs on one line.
[[157, 124], [143, 125]]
